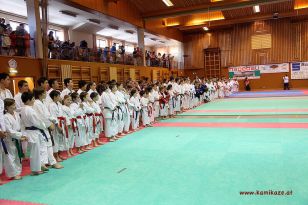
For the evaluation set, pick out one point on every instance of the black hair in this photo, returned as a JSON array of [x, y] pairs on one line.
[[54, 94], [26, 96], [100, 88], [21, 83], [74, 95], [89, 85], [3, 76], [41, 81], [8, 102], [132, 92], [67, 81], [83, 95], [38, 92], [169, 87], [82, 83], [112, 85], [93, 95], [141, 93], [52, 81]]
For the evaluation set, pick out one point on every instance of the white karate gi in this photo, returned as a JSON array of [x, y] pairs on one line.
[[6, 93], [18, 102], [81, 131], [46, 148], [65, 92], [59, 138], [11, 160], [29, 118], [109, 102], [134, 106], [71, 135], [121, 110], [144, 102]]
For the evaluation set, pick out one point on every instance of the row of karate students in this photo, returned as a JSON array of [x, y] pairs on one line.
[[80, 123]]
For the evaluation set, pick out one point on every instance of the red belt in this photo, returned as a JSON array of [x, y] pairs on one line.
[[93, 121], [62, 123], [74, 125]]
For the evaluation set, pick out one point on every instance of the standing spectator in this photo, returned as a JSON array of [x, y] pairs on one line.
[[286, 82], [135, 55], [113, 52], [122, 53], [20, 39], [247, 84], [51, 41]]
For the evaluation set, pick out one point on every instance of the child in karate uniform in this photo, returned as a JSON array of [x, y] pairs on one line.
[[33, 127], [89, 119], [144, 101], [135, 107], [44, 115], [98, 118], [81, 129], [67, 101], [12, 160], [59, 135]]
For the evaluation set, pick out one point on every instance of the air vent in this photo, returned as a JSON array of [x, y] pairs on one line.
[[95, 21], [69, 13], [113, 27]]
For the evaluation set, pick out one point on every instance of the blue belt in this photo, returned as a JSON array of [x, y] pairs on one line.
[[4, 146]]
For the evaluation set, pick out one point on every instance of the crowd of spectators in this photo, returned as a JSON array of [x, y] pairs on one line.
[[17, 43], [14, 42]]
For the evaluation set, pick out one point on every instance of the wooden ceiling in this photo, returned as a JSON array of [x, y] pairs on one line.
[[191, 15]]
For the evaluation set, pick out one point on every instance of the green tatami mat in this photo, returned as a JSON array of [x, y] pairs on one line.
[[178, 166], [256, 103]]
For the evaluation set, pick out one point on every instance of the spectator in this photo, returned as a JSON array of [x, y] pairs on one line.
[[21, 34], [51, 41], [113, 52]]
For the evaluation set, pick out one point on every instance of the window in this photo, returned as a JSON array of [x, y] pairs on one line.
[[57, 34], [101, 43], [129, 48], [14, 25]]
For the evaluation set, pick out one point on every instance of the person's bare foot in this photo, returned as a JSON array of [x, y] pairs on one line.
[[1, 182], [59, 159], [44, 168], [18, 177], [62, 157], [37, 173], [57, 166]]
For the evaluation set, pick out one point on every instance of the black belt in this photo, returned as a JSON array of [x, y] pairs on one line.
[[112, 112], [42, 131]]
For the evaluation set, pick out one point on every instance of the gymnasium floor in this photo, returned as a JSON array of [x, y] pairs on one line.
[[206, 156]]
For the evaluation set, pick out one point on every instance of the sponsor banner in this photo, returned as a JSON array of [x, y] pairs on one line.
[[241, 72], [274, 68], [299, 70]]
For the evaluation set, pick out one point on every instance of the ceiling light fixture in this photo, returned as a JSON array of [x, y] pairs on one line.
[[206, 28], [256, 9], [168, 3]]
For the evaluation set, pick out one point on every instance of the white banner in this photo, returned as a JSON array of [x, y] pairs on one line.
[[274, 68], [299, 70]]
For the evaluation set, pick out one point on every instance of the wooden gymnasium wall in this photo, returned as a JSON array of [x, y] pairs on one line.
[[289, 43]]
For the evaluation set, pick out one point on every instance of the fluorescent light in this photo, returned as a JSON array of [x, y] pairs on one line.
[[256, 9], [168, 3], [206, 28]]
